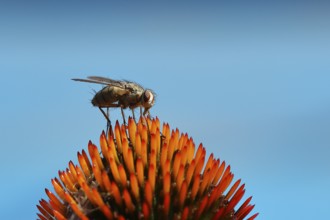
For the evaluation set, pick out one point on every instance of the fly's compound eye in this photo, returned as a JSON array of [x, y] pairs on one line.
[[148, 97]]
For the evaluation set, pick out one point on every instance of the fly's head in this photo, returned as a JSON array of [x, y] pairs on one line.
[[147, 99]]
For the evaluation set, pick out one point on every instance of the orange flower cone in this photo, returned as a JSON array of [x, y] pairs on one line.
[[143, 172]]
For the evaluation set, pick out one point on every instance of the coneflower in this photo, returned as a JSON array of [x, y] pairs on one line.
[[143, 172]]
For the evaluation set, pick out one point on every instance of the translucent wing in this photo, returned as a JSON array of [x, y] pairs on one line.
[[102, 80], [125, 84], [105, 80], [131, 87]]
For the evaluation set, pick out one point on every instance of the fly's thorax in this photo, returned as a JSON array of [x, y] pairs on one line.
[[131, 100]]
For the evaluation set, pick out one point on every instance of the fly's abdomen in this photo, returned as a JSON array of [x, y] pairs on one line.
[[105, 97], [108, 96]]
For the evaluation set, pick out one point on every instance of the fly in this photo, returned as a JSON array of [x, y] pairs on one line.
[[120, 94]]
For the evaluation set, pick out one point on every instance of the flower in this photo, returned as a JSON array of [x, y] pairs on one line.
[[144, 172]]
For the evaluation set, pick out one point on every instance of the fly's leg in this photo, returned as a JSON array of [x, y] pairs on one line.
[[106, 115], [133, 114], [125, 125], [146, 113], [141, 115], [109, 126], [143, 119], [140, 111], [122, 113]]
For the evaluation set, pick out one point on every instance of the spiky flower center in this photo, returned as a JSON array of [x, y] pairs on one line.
[[145, 173]]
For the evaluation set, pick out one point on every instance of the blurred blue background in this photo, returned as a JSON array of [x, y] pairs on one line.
[[250, 80]]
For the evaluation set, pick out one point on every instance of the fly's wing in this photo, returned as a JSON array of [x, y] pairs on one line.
[[106, 81], [129, 87], [90, 81], [102, 80]]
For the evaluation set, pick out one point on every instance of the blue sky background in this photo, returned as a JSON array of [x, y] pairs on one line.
[[248, 79]]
